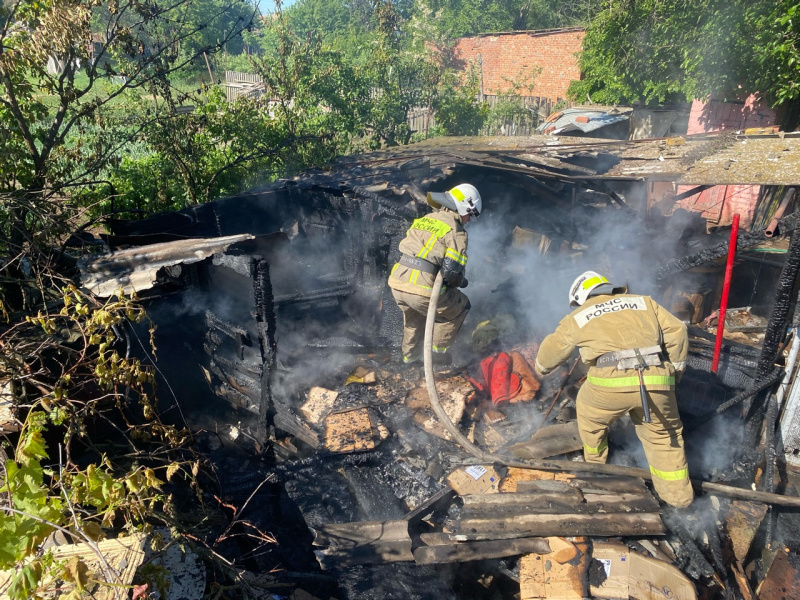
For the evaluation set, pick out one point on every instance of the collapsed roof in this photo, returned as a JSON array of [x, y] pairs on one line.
[[283, 288]]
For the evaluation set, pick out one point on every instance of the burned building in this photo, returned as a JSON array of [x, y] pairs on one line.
[[274, 320]]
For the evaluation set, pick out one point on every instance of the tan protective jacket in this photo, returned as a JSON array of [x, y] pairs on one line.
[[432, 237], [609, 323]]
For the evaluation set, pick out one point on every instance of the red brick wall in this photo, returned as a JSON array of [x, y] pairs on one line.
[[511, 57]]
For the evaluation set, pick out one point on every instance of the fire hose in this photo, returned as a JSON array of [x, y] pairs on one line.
[[558, 465]]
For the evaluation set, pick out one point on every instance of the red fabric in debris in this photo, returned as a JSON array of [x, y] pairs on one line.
[[504, 383], [498, 378]]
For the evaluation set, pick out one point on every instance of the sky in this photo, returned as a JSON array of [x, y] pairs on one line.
[[267, 6]]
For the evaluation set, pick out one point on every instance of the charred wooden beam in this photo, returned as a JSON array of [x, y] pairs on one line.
[[707, 255], [232, 331], [290, 423], [632, 524], [442, 498], [441, 548], [615, 197], [266, 325], [476, 505], [774, 335], [698, 564], [363, 543], [770, 457], [746, 239]]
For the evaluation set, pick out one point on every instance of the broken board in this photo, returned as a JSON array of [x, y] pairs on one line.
[[352, 431], [616, 572], [559, 505], [543, 576], [782, 580], [123, 554], [742, 522], [319, 405], [453, 394], [516, 475]]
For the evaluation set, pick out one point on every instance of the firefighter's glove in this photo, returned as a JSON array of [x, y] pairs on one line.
[[464, 283], [452, 273]]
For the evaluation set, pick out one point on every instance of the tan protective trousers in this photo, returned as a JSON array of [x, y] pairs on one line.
[[451, 310], [598, 407]]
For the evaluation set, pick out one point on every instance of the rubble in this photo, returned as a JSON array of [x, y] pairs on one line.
[[305, 362]]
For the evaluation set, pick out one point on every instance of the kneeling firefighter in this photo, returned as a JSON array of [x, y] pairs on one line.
[[435, 242], [637, 350]]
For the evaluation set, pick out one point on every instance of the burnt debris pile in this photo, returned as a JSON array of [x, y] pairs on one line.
[[276, 331]]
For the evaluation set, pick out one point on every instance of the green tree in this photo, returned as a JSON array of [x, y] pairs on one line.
[[656, 51], [57, 108]]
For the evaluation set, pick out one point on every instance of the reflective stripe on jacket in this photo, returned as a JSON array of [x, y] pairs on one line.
[[613, 323], [432, 238]]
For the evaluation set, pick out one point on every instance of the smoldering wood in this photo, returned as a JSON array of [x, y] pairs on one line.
[[630, 485], [243, 367], [527, 525], [770, 423], [744, 364], [698, 563], [362, 543], [758, 386], [707, 255], [479, 550], [232, 331], [294, 425], [551, 440]]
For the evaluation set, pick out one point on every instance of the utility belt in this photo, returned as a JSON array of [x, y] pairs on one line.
[[420, 264], [630, 359]]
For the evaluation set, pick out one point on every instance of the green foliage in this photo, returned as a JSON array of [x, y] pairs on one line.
[[656, 51], [457, 111], [82, 502]]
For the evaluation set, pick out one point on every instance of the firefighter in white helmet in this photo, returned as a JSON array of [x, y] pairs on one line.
[[636, 351], [435, 242]]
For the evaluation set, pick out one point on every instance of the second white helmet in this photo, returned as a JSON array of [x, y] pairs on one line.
[[591, 284], [464, 199]]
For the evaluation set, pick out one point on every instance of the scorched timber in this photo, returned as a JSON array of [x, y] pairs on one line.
[[528, 525], [441, 548], [362, 543], [537, 503]]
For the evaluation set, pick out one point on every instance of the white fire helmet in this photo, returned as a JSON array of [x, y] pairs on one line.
[[464, 199], [591, 284]]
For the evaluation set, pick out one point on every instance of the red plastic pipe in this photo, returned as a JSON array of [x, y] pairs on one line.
[[726, 285]]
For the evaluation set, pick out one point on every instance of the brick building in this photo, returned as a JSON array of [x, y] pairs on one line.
[[541, 63]]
